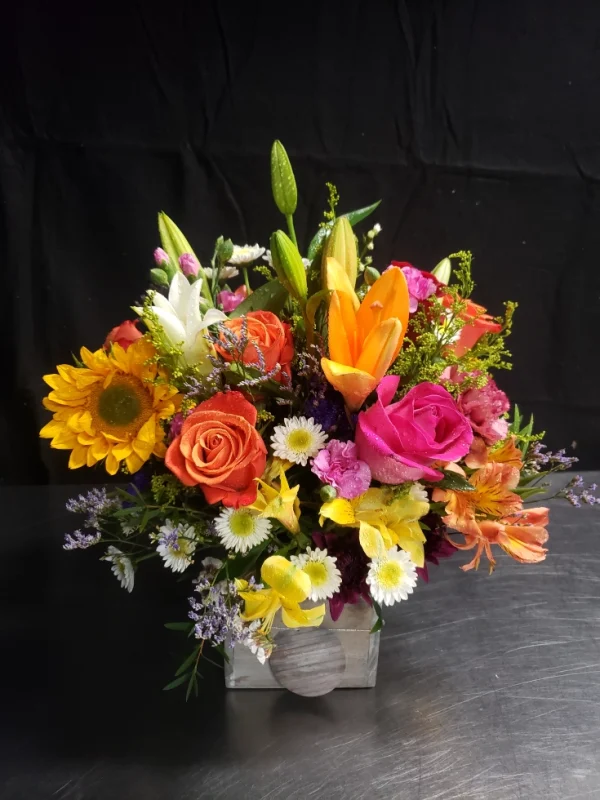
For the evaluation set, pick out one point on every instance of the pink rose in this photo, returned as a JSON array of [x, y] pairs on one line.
[[339, 466], [483, 408], [399, 441], [231, 300]]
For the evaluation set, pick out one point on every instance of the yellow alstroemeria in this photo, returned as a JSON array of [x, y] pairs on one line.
[[364, 338], [279, 503], [376, 511], [288, 586]]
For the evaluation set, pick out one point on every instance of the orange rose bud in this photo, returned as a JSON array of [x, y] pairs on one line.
[[220, 450], [271, 336], [123, 334]]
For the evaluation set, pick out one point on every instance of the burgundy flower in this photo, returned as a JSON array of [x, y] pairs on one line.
[[353, 565], [436, 545]]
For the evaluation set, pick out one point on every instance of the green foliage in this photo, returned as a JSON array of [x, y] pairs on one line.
[[166, 489], [462, 274], [264, 270], [270, 296], [333, 198]]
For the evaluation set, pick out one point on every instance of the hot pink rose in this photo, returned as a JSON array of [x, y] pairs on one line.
[[399, 441], [483, 408]]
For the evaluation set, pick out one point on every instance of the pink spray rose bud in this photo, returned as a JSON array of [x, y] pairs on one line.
[[231, 300], [160, 257], [123, 334], [421, 285], [483, 408], [189, 264], [339, 466], [399, 441]]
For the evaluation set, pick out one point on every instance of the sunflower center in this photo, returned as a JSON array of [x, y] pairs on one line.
[[316, 572], [390, 574], [122, 407], [299, 440], [241, 524]]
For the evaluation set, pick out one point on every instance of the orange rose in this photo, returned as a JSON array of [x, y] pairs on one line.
[[272, 336], [478, 323], [220, 450]]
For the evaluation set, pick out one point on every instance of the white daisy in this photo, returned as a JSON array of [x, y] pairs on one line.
[[392, 577], [418, 493], [258, 642], [122, 568], [176, 545], [239, 529], [321, 568], [298, 439], [246, 254], [269, 259], [225, 273]]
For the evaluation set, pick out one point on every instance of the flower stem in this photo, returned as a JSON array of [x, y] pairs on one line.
[[246, 279], [290, 223]]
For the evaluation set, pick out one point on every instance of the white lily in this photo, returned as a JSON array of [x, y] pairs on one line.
[[183, 323]]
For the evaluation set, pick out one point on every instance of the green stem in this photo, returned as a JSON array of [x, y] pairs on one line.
[[246, 279], [290, 223]]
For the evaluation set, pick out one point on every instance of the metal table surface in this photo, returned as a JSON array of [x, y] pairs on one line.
[[488, 686]]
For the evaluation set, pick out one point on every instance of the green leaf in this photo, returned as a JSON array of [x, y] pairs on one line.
[[454, 482], [354, 217], [189, 661], [283, 182], [175, 683], [526, 433], [525, 492], [516, 423], [380, 621], [270, 296], [193, 684], [242, 564], [178, 626]]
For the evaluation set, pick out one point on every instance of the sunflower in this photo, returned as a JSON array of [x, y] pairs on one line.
[[111, 408]]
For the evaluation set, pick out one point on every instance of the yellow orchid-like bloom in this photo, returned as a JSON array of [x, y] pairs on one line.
[[364, 338], [288, 586], [378, 515], [279, 503]]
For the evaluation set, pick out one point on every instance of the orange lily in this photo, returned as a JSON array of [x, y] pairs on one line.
[[364, 338]]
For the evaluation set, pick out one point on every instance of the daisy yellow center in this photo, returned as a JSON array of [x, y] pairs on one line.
[[316, 572], [299, 441], [122, 406], [389, 574], [241, 525]]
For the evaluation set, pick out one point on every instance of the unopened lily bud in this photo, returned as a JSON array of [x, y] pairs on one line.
[[371, 275], [327, 494], [160, 257], [341, 245], [443, 271], [189, 264], [283, 181], [288, 265], [159, 277]]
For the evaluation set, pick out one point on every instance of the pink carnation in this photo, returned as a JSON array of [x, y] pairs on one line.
[[400, 441], [231, 300], [483, 407], [421, 285], [339, 466]]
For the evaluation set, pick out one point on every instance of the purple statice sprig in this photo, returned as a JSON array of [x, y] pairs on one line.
[[169, 537], [577, 493], [216, 612], [540, 459], [94, 504], [81, 541]]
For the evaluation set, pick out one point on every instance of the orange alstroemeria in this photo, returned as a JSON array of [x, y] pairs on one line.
[[364, 338], [520, 535], [505, 452], [468, 511]]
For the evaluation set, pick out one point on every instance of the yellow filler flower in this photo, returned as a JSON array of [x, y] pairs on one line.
[[365, 338], [280, 503], [110, 409], [288, 586]]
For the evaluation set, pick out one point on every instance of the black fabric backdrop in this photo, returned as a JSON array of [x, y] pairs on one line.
[[478, 123]]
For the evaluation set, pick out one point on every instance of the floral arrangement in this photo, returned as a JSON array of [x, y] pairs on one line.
[[322, 438]]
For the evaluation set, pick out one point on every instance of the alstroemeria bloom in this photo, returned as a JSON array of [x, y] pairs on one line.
[[288, 586], [505, 452], [396, 520], [182, 322], [280, 503], [365, 338]]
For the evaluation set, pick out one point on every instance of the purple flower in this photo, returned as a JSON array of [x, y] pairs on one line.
[[189, 264], [161, 259], [339, 466], [483, 408], [420, 287], [176, 425], [436, 545], [353, 565]]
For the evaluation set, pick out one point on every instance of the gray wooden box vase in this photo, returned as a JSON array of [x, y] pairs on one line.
[[341, 654]]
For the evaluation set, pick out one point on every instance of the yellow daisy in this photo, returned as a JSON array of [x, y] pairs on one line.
[[111, 408]]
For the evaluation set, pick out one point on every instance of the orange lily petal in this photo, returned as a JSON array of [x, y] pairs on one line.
[[354, 384], [388, 297], [336, 280], [340, 347], [380, 348]]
